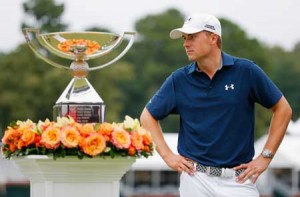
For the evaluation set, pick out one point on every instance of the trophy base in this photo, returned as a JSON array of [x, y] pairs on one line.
[[80, 112]]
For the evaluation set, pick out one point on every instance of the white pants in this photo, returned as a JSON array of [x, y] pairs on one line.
[[201, 185]]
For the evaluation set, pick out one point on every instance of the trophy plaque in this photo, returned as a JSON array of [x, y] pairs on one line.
[[79, 99]]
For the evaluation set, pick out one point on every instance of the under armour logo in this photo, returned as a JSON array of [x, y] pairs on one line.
[[231, 86], [188, 20]]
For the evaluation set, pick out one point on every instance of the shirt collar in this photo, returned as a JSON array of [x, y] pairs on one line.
[[227, 60]]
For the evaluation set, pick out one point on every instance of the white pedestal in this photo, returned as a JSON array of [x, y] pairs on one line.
[[72, 177]]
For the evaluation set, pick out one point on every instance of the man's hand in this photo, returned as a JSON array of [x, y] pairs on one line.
[[180, 163], [253, 169]]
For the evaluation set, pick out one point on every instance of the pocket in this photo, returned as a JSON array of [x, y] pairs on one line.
[[250, 189], [182, 176]]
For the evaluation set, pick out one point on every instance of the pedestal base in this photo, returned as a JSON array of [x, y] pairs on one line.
[[71, 177]]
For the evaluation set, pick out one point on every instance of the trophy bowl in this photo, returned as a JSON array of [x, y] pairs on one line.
[[68, 44], [79, 99]]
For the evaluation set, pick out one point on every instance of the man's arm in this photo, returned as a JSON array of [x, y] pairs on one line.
[[173, 160], [282, 113]]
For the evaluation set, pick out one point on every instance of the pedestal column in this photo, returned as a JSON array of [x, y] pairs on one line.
[[72, 177]]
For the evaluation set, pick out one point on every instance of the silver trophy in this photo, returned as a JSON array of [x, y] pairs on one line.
[[79, 100]]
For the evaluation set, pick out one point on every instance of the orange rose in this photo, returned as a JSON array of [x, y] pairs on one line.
[[51, 137], [120, 138], [70, 137], [107, 138], [37, 140], [137, 140], [12, 137], [147, 149], [42, 126], [77, 125], [147, 139], [8, 137], [93, 144], [13, 147], [20, 144], [105, 128], [131, 151], [87, 129], [28, 137]]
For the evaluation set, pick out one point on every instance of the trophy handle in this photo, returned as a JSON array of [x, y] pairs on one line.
[[131, 35], [36, 49]]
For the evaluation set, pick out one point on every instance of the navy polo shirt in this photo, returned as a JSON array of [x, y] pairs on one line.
[[216, 115]]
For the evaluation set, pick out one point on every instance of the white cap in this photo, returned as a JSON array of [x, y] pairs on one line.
[[196, 23]]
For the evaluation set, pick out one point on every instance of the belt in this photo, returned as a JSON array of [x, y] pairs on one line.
[[218, 172]]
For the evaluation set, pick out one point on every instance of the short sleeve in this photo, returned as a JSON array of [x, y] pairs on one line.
[[263, 90], [163, 102]]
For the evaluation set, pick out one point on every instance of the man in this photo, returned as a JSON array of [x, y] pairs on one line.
[[214, 97]]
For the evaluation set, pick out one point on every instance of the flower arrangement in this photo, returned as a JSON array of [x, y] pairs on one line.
[[68, 45], [67, 137]]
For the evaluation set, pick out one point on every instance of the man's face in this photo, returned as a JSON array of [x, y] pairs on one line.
[[198, 45]]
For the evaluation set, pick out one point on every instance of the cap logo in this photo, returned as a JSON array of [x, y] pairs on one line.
[[210, 27], [188, 20]]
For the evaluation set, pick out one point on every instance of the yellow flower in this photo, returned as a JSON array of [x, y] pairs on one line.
[[93, 144], [131, 124], [70, 137], [64, 121], [25, 124], [120, 138], [42, 125]]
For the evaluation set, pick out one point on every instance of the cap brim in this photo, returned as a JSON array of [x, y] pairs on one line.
[[177, 33]]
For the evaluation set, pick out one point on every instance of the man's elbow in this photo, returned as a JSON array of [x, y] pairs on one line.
[[289, 112], [286, 109], [145, 115]]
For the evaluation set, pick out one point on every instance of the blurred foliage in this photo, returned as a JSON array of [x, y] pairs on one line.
[[285, 73], [30, 87], [44, 14]]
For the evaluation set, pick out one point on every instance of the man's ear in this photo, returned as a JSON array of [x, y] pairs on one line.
[[214, 38]]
